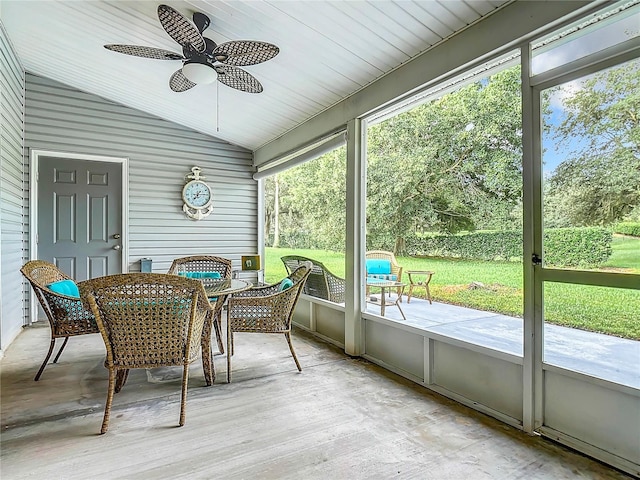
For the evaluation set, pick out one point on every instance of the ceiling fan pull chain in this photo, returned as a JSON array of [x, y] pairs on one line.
[[217, 106]]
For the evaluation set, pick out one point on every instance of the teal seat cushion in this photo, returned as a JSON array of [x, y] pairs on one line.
[[65, 287], [285, 284], [378, 266], [200, 274]]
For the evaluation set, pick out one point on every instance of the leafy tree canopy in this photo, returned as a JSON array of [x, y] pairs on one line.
[[599, 182]]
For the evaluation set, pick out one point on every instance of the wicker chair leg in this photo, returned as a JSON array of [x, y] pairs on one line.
[[217, 325], [183, 402], [288, 335], [64, 344], [121, 379], [107, 407], [46, 359]]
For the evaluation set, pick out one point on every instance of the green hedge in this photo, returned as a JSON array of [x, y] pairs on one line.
[[628, 228], [477, 245], [577, 247], [566, 247]]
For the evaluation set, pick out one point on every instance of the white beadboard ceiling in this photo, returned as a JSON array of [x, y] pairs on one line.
[[328, 50]]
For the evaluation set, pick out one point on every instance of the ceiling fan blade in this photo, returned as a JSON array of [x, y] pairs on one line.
[[180, 28], [245, 52], [201, 21], [237, 78], [179, 83], [146, 52]]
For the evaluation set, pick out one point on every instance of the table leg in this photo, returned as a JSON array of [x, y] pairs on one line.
[[217, 321], [207, 359], [383, 301], [426, 287], [410, 291], [214, 319], [398, 301]]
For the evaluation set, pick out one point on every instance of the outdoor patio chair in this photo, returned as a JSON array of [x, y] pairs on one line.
[[147, 320], [196, 266], [58, 295], [321, 283], [383, 265], [266, 309]]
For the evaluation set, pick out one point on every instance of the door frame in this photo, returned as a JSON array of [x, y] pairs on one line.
[[34, 159], [538, 274]]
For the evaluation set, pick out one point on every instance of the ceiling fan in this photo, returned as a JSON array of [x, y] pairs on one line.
[[203, 60]]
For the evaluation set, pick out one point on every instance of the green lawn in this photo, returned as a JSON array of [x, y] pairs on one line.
[[607, 310], [626, 254]]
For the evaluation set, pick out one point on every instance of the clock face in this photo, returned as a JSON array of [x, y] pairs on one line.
[[196, 194]]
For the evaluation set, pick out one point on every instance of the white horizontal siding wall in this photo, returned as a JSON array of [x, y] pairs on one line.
[[62, 119], [11, 235]]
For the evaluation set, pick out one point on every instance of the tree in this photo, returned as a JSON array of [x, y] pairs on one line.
[[599, 182], [448, 165], [312, 203]]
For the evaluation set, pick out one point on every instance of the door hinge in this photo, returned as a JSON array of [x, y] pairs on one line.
[[535, 259]]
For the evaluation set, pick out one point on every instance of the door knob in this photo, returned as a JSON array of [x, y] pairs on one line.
[[116, 247]]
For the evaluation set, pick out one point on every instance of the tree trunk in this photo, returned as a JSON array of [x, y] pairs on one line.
[[400, 246], [276, 213]]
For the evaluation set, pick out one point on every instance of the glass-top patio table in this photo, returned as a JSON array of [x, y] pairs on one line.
[[217, 290], [385, 301]]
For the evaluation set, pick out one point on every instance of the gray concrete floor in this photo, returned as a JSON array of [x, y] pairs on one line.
[[340, 418], [602, 356]]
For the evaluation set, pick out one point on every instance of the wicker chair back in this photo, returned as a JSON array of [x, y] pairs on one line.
[[321, 283], [67, 315], [206, 263], [147, 320], [202, 263]]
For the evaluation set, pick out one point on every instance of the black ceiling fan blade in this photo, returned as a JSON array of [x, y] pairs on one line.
[[245, 52], [237, 78], [145, 52], [180, 28], [201, 21], [179, 83]]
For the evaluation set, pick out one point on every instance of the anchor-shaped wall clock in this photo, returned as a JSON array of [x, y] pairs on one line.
[[197, 196]]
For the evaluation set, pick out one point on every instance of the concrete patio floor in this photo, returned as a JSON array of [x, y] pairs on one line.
[[603, 356], [341, 418]]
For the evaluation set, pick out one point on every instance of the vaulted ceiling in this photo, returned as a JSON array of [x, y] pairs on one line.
[[328, 51]]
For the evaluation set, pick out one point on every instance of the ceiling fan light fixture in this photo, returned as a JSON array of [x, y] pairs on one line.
[[199, 73]]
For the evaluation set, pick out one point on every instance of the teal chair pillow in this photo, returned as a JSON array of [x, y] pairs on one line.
[[65, 287], [285, 284], [378, 266]]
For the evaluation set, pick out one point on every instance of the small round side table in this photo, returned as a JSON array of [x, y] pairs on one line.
[[419, 278]]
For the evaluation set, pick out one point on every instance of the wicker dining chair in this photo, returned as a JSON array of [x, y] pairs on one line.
[[321, 283], [396, 269], [67, 316], [266, 309], [206, 263], [147, 320]]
